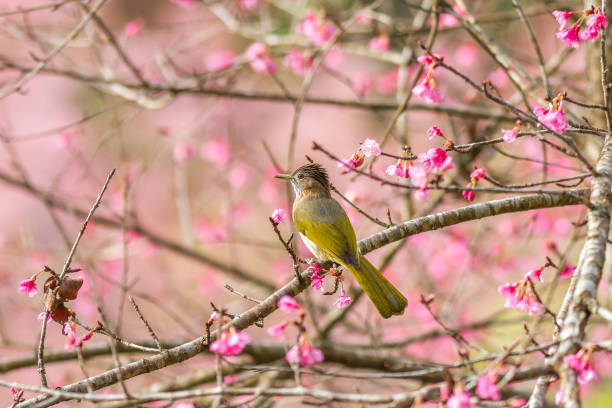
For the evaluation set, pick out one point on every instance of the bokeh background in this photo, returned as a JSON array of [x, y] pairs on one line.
[[195, 168]]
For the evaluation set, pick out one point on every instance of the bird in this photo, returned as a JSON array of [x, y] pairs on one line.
[[327, 232]]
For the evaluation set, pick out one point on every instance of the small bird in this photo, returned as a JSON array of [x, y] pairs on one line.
[[328, 234]]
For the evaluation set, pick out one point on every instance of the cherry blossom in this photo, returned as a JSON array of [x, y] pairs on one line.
[[344, 300], [41, 316], [316, 29], [370, 148], [535, 274], [562, 17], [510, 135], [258, 55], [436, 160], [418, 177], [316, 280], [73, 339], [288, 304], [355, 161], [307, 354], [478, 173], [279, 216], [581, 363], [594, 24], [278, 330], [567, 272], [230, 343], [459, 399], [183, 152], [569, 36], [553, 117], [28, 287], [468, 194], [428, 91], [520, 296], [434, 131], [297, 62], [486, 388], [398, 169]]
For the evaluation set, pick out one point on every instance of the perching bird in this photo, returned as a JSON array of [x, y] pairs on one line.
[[329, 235]]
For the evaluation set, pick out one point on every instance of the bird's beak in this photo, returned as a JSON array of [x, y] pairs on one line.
[[283, 176]]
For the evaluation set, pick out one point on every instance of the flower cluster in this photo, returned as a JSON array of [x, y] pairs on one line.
[[73, 339], [427, 89], [298, 61], [304, 352], [478, 173], [460, 399], [581, 363], [553, 117], [316, 29], [521, 296], [316, 280], [344, 300], [369, 148], [486, 388], [572, 35], [230, 343], [258, 54]]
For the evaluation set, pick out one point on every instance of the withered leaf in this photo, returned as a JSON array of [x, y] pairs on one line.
[[70, 287]]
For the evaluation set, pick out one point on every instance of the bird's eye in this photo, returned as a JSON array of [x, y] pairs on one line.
[[300, 176]]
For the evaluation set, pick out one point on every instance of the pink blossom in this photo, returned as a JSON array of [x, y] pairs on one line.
[[231, 342], [73, 338], [562, 16], [478, 173], [534, 274], [517, 402], [355, 161], [426, 59], [307, 354], [370, 147], [344, 300], [434, 131], [469, 194], [186, 404], [510, 135], [567, 272], [569, 36], [183, 152], [41, 316], [219, 60], [428, 91], [288, 304], [486, 388], [445, 391], [187, 4], [552, 118], [279, 216], [519, 296], [216, 150], [278, 330], [398, 169], [362, 84], [297, 63], [258, 55], [248, 4], [436, 160], [594, 24], [380, 43], [581, 363], [316, 280], [316, 29], [14, 390], [28, 287], [133, 27], [459, 399]]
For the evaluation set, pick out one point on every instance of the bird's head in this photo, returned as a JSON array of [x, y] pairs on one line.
[[308, 178]]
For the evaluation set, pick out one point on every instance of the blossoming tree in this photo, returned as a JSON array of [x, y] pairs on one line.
[[147, 246]]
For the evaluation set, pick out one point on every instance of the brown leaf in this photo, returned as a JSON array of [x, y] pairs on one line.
[[70, 287], [60, 314]]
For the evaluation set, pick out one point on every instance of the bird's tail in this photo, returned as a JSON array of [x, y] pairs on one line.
[[387, 299]]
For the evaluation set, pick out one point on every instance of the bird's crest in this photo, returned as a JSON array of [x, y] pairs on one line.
[[314, 170]]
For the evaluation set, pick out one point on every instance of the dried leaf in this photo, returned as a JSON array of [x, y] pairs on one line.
[[70, 287]]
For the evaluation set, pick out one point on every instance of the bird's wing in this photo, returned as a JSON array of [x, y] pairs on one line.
[[324, 222]]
